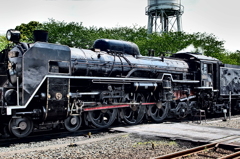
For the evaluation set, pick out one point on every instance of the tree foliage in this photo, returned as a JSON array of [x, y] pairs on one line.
[[74, 34], [230, 57], [27, 30], [3, 42], [173, 42]]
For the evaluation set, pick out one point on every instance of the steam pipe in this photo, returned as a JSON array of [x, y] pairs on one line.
[[17, 91]]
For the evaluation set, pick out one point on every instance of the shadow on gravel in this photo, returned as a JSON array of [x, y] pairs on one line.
[[49, 135]]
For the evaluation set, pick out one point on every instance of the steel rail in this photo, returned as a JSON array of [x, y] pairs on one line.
[[233, 155], [195, 150], [187, 152]]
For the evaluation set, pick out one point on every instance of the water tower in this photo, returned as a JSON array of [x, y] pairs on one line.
[[164, 15]]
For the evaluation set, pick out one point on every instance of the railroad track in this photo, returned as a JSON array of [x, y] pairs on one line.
[[218, 150], [48, 135]]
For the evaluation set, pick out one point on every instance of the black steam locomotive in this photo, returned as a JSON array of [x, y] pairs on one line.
[[44, 85]]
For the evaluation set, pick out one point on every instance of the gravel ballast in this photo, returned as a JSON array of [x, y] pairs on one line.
[[118, 145], [234, 123], [105, 145]]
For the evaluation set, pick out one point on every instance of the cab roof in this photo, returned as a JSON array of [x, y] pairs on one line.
[[195, 56]]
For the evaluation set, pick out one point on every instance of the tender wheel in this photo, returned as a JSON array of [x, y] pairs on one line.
[[134, 114], [102, 118], [20, 127], [159, 111], [73, 123]]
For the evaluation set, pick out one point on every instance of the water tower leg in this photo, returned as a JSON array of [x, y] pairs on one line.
[[156, 22], [150, 24], [179, 22], [165, 24], [162, 20]]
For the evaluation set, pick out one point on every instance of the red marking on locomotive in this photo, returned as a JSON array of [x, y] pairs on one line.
[[114, 106]]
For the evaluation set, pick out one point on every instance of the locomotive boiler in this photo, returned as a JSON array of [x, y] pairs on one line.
[[44, 85]]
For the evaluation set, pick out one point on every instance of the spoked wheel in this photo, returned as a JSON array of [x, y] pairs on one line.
[[102, 118], [181, 110], [20, 127], [159, 111], [73, 123], [135, 113]]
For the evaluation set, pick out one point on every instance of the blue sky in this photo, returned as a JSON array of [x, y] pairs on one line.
[[219, 17]]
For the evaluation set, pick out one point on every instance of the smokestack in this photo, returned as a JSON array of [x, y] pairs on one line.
[[40, 35]]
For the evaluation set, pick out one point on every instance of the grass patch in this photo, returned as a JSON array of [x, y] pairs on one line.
[[156, 143], [125, 135]]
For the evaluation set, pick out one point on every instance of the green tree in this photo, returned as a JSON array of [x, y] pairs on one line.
[[209, 43], [74, 34], [3, 42], [27, 30], [166, 43], [172, 42], [229, 57]]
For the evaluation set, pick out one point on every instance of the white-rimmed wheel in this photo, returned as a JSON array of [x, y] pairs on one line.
[[20, 127], [73, 123], [135, 113], [181, 110], [102, 118], [158, 112]]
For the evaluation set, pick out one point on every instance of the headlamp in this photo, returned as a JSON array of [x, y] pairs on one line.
[[13, 35]]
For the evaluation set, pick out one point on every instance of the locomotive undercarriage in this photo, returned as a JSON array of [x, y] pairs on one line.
[[98, 102], [70, 102], [211, 102]]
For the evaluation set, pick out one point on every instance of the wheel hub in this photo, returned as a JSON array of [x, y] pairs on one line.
[[22, 125], [104, 111], [159, 105], [134, 107], [73, 121]]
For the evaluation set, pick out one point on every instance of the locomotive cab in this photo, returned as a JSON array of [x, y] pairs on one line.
[[203, 68], [207, 70]]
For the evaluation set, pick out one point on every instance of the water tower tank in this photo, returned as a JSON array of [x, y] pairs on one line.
[[164, 15]]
